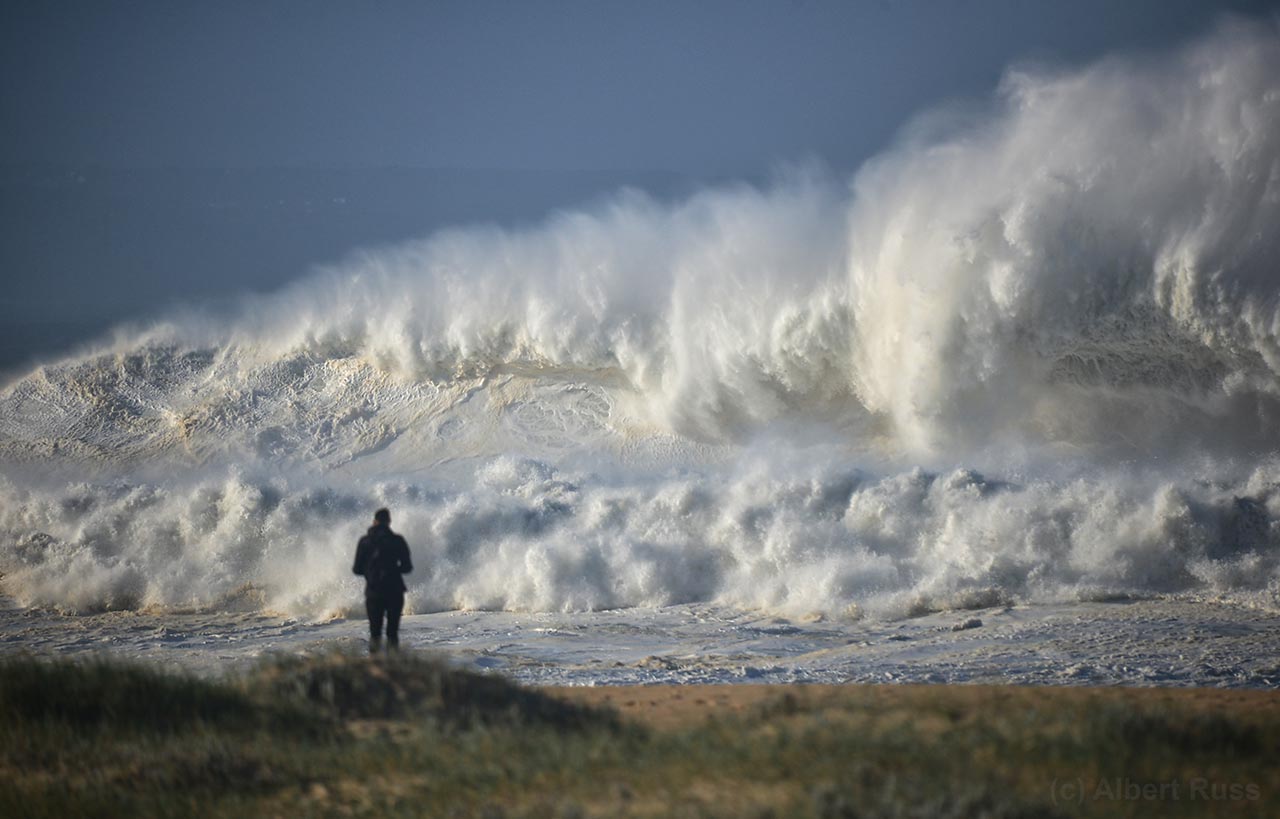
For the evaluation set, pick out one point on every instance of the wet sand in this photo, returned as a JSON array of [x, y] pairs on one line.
[[1149, 643]]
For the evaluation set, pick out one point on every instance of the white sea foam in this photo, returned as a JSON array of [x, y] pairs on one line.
[[753, 397], [523, 535]]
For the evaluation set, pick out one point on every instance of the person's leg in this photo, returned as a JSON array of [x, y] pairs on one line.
[[375, 607], [395, 605]]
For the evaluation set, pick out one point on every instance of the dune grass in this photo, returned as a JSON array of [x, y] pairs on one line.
[[338, 734]]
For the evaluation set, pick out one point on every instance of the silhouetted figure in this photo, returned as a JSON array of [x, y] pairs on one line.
[[382, 557]]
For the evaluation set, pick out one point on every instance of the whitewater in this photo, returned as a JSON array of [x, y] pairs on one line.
[[1024, 363]]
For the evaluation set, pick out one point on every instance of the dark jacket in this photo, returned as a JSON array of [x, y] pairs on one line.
[[382, 557]]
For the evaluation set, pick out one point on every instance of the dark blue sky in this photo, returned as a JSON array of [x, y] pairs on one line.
[[116, 112], [696, 86]]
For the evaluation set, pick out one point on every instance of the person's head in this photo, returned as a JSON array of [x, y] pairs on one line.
[[382, 517]]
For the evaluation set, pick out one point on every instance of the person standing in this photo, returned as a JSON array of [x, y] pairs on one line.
[[382, 557]]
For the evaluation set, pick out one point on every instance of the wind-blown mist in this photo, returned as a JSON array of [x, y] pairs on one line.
[[1029, 354]]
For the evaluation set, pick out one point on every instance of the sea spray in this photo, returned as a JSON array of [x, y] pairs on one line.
[[1029, 356], [523, 535]]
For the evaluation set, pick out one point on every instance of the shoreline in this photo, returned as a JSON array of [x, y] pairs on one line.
[[1146, 643]]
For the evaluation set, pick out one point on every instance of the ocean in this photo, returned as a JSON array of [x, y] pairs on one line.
[[1023, 368]]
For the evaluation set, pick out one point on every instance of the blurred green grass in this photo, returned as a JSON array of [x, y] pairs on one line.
[[338, 734]]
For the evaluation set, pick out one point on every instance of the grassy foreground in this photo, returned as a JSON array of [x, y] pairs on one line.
[[341, 735]]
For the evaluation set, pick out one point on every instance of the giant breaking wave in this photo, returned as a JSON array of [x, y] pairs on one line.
[[1029, 354]]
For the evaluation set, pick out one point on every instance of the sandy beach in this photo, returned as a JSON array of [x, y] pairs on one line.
[[673, 707], [1148, 643]]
